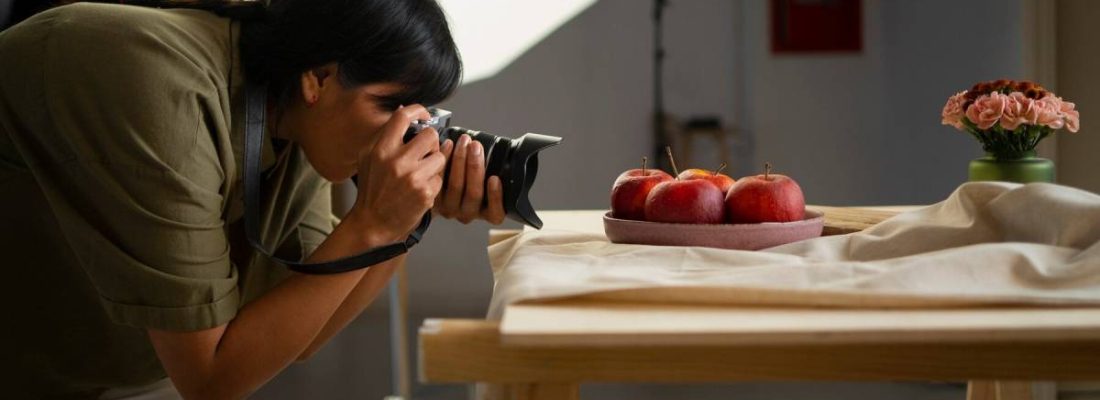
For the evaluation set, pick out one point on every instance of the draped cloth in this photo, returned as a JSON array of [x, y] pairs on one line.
[[988, 244]]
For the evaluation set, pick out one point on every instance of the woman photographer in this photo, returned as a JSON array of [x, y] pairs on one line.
[[121, 159]]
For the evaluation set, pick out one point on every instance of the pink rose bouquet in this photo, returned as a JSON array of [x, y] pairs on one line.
[[1008, 117]]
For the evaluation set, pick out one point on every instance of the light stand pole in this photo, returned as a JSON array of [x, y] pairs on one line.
[[660, 136]]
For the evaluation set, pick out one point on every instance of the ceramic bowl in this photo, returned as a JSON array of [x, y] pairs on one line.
[[724, 236]]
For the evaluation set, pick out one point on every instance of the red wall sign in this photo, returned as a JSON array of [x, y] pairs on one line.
[[816, 26]]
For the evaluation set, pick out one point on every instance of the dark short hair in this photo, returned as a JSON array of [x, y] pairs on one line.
[[406, 42]]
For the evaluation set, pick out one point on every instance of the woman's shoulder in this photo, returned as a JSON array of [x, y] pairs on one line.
[[199, 36], [103, 18], [142, 85]]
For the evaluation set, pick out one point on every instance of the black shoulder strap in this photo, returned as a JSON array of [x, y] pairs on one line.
[[255, 107]]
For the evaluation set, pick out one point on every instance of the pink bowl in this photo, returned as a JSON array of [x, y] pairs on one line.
[[724, 236]]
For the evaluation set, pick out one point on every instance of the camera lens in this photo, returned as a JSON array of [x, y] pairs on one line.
[[516, 162]]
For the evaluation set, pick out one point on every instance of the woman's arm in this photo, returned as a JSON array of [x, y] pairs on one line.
[[461, 200], [362, 296], [232, 360]]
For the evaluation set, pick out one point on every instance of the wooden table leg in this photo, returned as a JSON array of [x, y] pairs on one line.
[[545, 391], [981, 390], [399, 346], [1010, 390]]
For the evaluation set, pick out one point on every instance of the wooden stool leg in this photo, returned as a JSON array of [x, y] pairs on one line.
[[546, 391]]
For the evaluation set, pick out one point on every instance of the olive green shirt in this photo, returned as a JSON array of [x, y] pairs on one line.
[[121, 149]]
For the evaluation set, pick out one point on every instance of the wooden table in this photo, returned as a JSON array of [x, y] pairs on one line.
[[545, 350]]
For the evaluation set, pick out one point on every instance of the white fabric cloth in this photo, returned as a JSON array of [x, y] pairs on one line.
[[988, 244]]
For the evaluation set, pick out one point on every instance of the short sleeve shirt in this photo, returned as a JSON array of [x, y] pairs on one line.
[[121, 142]]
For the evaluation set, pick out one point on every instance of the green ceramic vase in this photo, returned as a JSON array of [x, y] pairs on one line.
[[1028, 168]]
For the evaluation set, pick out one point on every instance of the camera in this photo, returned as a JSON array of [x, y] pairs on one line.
[[515, 161]]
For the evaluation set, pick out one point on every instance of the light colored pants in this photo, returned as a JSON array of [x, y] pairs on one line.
[[159, 390]]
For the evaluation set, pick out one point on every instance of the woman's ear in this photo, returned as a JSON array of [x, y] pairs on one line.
[[315, 81]]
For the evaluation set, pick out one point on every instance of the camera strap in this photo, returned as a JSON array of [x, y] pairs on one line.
[[255, 108]]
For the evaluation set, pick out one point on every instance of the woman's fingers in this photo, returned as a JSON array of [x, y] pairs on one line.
[[452, 201], [494, 213], [399, 182], [422, 145], [475, 183], [466, 190], [427, 180], [433, 165], [393, 132], [447, 149]]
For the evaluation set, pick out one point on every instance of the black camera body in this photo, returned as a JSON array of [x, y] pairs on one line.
[[515, 161]]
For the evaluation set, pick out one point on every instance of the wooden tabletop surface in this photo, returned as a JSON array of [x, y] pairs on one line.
[[577, 341], [585, 323]]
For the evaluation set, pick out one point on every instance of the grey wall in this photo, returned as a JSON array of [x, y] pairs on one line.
[[5, 12], [852, 129], [864, 129], [1078, 61]]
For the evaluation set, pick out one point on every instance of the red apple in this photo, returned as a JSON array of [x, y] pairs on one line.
[[722, 181], [630, 190], [765, 198], [693, 201]]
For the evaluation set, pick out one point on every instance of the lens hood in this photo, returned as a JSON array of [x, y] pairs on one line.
[[518, 176]]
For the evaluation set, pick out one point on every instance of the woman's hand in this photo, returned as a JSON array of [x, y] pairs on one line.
[[398, 181], [466, 185]]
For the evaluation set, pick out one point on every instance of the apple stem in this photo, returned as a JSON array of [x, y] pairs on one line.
[[767, 169], [671, 159], [644, 161], [720, 168]]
